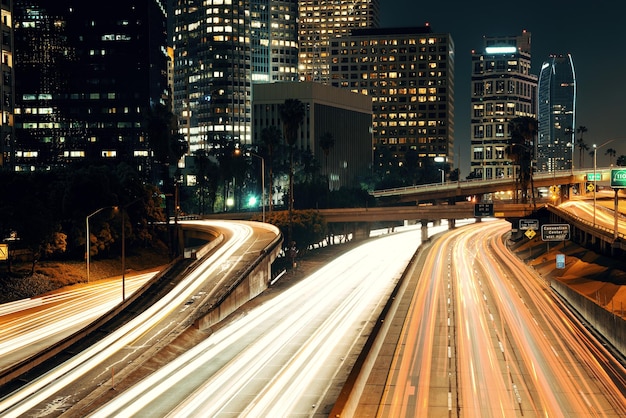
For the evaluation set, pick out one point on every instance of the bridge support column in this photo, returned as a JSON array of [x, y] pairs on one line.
[[451, 223], [424, 230]]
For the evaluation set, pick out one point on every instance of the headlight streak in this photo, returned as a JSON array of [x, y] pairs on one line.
[[347, 288], [34, 321], [506, 364], [46, 385]]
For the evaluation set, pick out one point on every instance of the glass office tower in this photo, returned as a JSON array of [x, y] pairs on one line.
[[556, 113]]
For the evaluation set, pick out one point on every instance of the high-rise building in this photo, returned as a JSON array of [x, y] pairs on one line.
[[87, 74], [274, 36], [219, 51], [409, 73], [7, 134], [320, 22], [556, 113], [212, 71], [502, 89]]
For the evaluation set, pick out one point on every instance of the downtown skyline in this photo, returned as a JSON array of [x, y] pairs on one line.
[[588, 33]]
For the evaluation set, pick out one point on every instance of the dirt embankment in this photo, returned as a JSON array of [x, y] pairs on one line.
[[599, 278]]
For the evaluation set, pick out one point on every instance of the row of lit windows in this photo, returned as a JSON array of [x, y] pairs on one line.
[[97, 125], [80, 154], [488, 87], [91, 96], [490, 153], [489, 131], [494, 109]]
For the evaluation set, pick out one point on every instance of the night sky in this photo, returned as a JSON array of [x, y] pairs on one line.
[[594, 32]]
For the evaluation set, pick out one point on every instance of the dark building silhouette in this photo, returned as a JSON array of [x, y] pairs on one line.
[[6, 83], [86, 75]]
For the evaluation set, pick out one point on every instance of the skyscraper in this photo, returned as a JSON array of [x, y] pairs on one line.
[[274, 36], [409, 73], [7, 135], [219, 51], [556, 113], [321, 21], [86, 75], [502, 89]]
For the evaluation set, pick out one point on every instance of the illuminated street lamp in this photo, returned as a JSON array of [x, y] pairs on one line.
[[262, 182], [595, 187], [87, 244]]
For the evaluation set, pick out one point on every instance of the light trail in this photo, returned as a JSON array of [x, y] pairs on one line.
[[281, 357], [511, 350], [52, 382], [30, 325]]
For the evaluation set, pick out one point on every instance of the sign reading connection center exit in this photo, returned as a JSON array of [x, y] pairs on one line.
[[618, 178]]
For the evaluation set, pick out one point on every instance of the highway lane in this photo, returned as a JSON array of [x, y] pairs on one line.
[[119, 347], [484, 337], [286, 356], [30, 325], [604, 217]]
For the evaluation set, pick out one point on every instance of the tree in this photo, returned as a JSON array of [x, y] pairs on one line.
[[292, 115], [271, 137], [521, 151], [580, 143], [621, 161], [168, 146], [611, 152]]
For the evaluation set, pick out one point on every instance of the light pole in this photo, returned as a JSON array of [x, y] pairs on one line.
[[262, 182], [595, 152], [87, 243], [441, 160]]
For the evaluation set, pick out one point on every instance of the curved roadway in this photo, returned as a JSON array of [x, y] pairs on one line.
[[484, 337]]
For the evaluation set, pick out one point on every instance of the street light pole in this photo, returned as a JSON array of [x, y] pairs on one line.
[[595, 151], [88, 243], [262, 183]]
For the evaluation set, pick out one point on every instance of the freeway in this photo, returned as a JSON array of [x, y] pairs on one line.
[[116, 349], [286, 355], [31, 325], [483, 336]]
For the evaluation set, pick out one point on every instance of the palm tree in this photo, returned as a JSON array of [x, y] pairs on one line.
[[292, 115], [611, 152], [521, 151], [621, 161], [580, 143], [327, 141], [271, 137]]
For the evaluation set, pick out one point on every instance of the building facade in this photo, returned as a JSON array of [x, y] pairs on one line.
[[86, 76], [502, 89], [220, 50], [409, 74], [322, 21], [556, 114], [344, 115], [274, 37], [7, 133], [212, 71]]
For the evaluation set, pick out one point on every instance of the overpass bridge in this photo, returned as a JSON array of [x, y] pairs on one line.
[[448, 190]]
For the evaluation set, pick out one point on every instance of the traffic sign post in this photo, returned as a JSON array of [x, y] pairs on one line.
[[555, 232], [483, 209], [525, 224], [618, 178]]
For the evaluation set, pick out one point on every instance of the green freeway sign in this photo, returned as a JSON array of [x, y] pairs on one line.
[[618, 178], [590, 177]]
